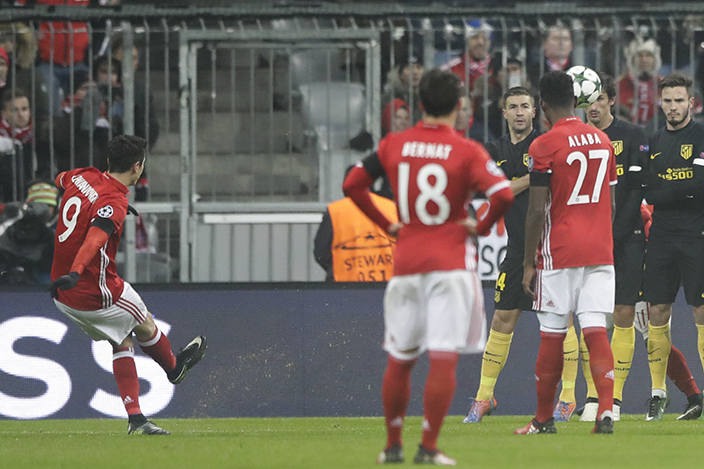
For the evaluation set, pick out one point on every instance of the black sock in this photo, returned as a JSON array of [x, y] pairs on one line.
[[695, 399], [137, 419]]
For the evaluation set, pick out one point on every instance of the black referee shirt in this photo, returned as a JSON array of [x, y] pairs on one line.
[[631, 150], [513, 160], [675, 183]]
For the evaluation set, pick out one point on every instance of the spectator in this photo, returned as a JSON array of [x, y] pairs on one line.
[[557, 50], [403, 84], [638, 87], [473, 64], [350, 247], [396, 117], [20, 43], [27, 236], [17, 165], [142, 100], [16, 120], [476, 59]]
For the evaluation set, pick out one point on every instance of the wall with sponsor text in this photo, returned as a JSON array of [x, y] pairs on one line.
[[275, 350]]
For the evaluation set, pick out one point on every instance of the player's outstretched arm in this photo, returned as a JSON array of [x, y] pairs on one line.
[[95, 239], [356, 187], [499, 203]]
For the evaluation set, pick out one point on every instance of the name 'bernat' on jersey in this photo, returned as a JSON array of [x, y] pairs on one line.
[[426, 150]]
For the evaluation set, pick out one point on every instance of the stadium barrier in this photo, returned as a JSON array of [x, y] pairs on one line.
[[275, 350]]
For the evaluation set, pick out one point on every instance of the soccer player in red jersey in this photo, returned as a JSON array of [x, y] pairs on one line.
[[569, 236], [86, 287], [434, 301]]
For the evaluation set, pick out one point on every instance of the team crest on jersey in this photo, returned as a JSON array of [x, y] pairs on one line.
[[105, 212], [526, 157], [686, 151], [618, 146], [493, 169]]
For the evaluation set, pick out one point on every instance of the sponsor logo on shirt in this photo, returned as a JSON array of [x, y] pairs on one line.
[[652, 157]]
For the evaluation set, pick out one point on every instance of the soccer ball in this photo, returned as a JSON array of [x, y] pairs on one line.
[[587, 85]]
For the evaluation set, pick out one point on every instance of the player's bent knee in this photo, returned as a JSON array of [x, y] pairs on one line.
[[591, 319], [504, 321], [145, 330]]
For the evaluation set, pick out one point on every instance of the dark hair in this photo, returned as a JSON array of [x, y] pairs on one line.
[[124, 151], [8, 97], [608, 84], [557, 90], [439, 92], [674, 80], [103, 60], [518, 91]]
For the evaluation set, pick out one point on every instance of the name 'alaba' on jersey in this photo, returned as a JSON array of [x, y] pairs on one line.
[[89, 194], [581, 164], [434, 173]]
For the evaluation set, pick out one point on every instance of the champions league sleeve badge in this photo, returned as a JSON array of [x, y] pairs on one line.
[[105, 212]]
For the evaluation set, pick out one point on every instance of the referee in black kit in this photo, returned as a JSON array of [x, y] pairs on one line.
[[675, 255]]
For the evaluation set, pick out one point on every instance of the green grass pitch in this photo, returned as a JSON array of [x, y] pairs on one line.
[[341, 443]]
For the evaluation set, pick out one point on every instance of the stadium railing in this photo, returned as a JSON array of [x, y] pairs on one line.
[[260, 108]]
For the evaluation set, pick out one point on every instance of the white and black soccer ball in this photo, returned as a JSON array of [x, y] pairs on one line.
[[586, 83]]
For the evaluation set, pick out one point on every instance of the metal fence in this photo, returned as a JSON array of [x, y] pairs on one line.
[[253, 112]]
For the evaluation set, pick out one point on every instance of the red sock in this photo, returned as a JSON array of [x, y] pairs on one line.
[[159, 348], [395, 394], [678, 372], [439, 391], [548, 371], [601, 362], [126, 377]]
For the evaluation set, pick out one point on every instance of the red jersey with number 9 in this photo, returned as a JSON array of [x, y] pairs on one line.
[[89, 194], [582, 167], [434, 173]]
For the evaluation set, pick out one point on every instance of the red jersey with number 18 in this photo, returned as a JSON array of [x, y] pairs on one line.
[[433, 173], [89, 194], [581, 164]]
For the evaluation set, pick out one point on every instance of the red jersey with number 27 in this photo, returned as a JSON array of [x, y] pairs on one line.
[[89, 194], [434, 172], [582, 167]]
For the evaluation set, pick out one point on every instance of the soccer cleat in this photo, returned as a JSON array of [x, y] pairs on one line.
[[563, 411], [393, 455], [147, 428], [437, 457], [617, 412], [656, 407], [479, 409], [535, 427], [187, 358], [604, 426], [590, 410], [693, 410]]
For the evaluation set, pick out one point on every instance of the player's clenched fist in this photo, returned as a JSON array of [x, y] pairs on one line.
[[65, 282]]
